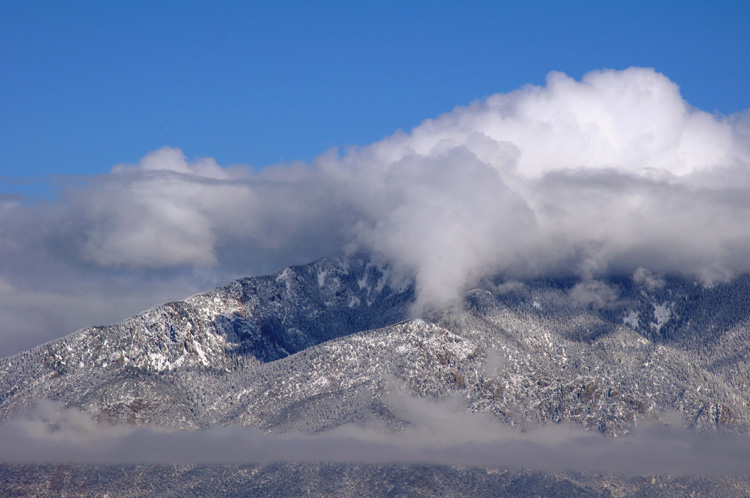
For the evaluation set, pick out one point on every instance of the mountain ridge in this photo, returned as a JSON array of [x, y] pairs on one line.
[[535, 330], [332, 345]]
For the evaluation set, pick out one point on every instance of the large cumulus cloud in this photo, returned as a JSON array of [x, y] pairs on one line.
[[612, 173]]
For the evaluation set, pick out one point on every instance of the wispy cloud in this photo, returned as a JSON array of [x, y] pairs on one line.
[[439, 433]]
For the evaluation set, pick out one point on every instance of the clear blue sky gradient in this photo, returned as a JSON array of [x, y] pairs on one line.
[[86, 85]]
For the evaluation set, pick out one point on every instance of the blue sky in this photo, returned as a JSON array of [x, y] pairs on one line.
[[88, 85], [600, 172]]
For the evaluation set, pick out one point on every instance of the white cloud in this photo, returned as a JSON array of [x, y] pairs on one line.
[[439, 432], [652, 282], [592, 293], [612, 173]]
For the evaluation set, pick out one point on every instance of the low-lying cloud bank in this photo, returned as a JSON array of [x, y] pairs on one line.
[[608, 174], [439, 434]]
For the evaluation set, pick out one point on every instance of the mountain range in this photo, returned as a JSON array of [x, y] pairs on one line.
[[336, 348]]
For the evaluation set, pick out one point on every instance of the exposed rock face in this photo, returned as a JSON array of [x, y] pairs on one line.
[[314, 347]]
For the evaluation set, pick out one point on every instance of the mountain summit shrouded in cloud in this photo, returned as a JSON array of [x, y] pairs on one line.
[[612, 173]]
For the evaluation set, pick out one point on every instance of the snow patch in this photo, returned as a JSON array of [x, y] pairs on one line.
[[383, 280], [284, 275], [662, 314], [631, 319], [159, 362], [362, 282], [322, 278], [403, 349]]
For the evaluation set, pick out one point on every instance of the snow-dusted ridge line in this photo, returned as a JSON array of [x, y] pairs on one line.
[[283, 353]]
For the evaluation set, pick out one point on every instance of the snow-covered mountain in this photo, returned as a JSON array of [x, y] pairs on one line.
[[325, 345]]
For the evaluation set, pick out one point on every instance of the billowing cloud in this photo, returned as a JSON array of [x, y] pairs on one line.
[[613, 173]]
